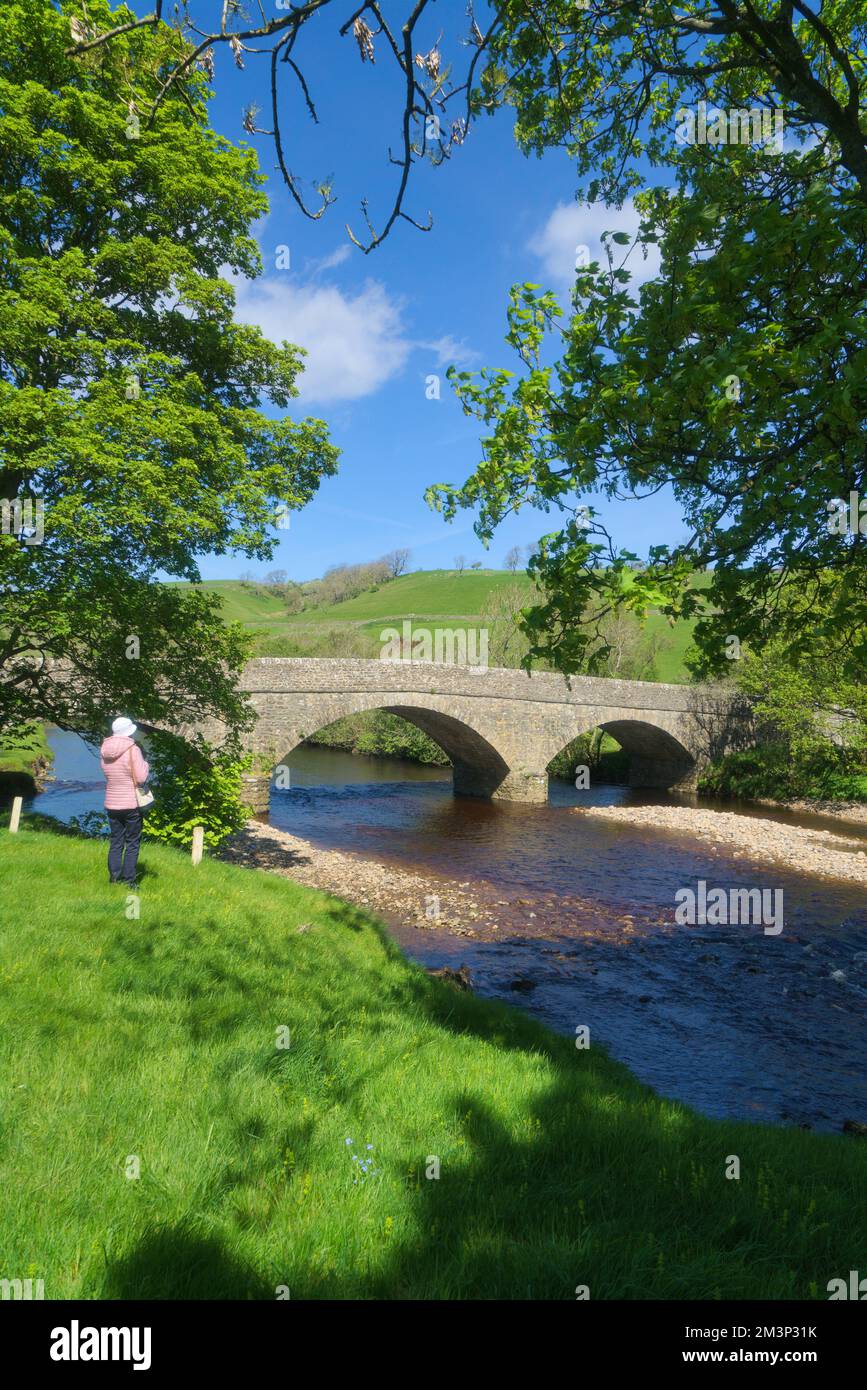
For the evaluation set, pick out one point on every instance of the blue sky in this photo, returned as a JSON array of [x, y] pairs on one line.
[[378, 326]]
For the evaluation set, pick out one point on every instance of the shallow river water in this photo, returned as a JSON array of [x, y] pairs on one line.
[[728, 1019]]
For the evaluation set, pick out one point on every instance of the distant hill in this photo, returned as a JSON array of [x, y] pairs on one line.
[[432, 597], [427, 594]]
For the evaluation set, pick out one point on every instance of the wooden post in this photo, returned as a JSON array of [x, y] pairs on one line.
[[198, 843], [16, 815]]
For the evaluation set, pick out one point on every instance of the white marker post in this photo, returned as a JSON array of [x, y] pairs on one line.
[[198, 843], [16, 814]]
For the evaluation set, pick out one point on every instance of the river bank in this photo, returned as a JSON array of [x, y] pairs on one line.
[[427, 901], [708, 1015], [434, 902], [823, 852], [573, 917], [296, 1078], [837, 810], [25, 764]]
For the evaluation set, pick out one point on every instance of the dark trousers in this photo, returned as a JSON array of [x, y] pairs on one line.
[[125, 840]]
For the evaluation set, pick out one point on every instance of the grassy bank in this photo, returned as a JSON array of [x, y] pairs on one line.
[[771, 773], [21, 761], [154, 1039]]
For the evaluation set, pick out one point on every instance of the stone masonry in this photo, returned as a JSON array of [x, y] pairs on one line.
[[500, 727]]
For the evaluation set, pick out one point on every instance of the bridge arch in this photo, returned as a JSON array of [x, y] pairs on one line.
[[657, 758], [500, 727], [478, 768]]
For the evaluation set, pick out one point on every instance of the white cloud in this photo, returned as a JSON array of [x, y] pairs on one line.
[[355, 341], [573, 225]]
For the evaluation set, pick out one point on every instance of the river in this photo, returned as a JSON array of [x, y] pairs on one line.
[[732, 1021]]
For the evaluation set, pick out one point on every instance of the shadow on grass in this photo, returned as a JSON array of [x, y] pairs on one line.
[[597, 1180], [177, 1263]]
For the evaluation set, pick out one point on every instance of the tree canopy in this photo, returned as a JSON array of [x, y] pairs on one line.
[[735, 377], [134, 410]]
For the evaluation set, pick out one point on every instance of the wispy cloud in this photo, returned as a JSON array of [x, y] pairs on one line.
[[449, 352], [362, 516], [329, 262], [356, 340]]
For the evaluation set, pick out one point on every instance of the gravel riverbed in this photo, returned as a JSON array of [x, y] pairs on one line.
[[400, 895], [825, 852], [429, 901]]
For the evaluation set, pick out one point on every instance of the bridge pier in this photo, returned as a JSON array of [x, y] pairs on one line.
[[662, 773], [516, 785], [256, 793]]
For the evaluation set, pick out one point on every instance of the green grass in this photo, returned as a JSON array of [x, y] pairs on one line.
[[425, 594], [155, 1038], [254, 608], [19, 761], [441, 597], [18, 755]]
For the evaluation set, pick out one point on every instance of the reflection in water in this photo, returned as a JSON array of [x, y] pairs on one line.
[[730, 1020]]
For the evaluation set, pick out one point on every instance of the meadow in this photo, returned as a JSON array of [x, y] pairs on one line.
[[430, 598]]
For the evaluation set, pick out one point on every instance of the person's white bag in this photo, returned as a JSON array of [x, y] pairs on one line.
[[143, 796]]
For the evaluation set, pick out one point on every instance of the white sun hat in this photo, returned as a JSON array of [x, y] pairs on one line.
[[124, 727]]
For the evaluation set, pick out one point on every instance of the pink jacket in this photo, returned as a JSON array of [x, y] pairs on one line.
[[114, 759]]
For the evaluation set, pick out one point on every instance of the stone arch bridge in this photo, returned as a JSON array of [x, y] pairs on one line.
[[499, 727]]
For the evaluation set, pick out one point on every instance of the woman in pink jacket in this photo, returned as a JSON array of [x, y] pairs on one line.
[[123, 768]]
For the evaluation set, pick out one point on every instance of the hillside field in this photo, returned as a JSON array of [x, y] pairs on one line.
[[428, 597]]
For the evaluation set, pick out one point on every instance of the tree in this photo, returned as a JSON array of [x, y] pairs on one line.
[[601, 78], [427, 132], [814, 721], [277, 578], [293, 597], [513, 558], [605, 80], [397, 562], [501, 617], [633, 649], [736, 377], [460, 563], [129, 398]]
